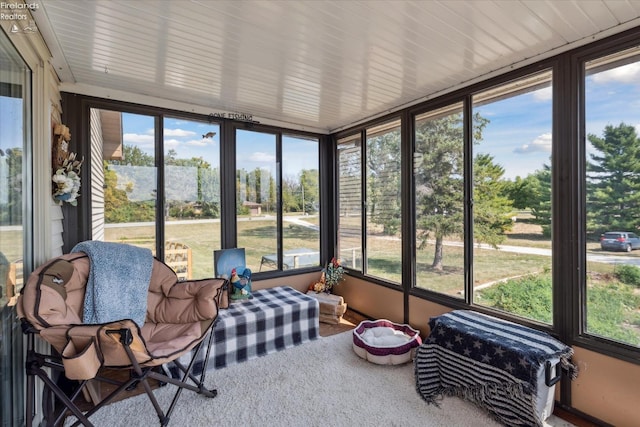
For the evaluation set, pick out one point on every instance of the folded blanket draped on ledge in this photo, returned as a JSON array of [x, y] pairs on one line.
[[118, 282], [492, 362]]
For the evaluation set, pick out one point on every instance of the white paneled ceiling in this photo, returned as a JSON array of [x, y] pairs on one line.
[[315, 65]]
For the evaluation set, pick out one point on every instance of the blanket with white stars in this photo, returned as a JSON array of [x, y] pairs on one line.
[[492, 362]]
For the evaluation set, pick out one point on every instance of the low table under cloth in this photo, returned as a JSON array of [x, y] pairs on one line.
[[496, 364], [274, 319]]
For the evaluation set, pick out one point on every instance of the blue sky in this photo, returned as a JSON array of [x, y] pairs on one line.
[[11, 134], [518, 135], [256, 150]]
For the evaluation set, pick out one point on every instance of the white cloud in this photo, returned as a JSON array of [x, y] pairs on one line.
[[262, 157], [171, 143], [198, 142], [540, 143], [178, 132], [629, 73], [544, 94], [138, 138]]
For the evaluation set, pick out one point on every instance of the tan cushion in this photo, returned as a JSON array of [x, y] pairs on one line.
[[178, 315]]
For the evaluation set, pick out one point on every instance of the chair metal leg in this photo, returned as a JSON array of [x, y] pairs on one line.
[[208, 353], [143, 375], [35, 362], [50, 385], [30, 403]]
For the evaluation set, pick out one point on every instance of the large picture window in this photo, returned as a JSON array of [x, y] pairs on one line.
[[300, 202], [191, 196], [383, 214], [438, 179], [124, 179], [369, 198], [276, 189], [612, 89], [349, 158], [511, 129], [124, 196], [257, 198], [277, 200]]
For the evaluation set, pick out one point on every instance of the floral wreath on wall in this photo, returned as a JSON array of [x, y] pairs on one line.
[[66, 176]]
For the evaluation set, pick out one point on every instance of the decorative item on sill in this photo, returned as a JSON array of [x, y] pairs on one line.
[[240, 284], [66, 178], [331, 276]]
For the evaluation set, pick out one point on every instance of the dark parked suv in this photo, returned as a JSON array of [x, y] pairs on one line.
[[619, 241]]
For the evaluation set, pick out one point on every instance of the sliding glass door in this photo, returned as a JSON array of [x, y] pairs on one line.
[[14, 223]]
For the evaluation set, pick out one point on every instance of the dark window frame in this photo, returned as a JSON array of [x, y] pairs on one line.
[[578, 59], [361, 132], [77, 219], [568, 194]]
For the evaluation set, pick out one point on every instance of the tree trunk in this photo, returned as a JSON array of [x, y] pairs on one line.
[[437, 258]]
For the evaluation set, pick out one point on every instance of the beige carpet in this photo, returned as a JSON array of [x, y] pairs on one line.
[[322, 383]]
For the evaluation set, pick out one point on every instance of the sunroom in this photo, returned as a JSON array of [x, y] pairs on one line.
[[452, 154]]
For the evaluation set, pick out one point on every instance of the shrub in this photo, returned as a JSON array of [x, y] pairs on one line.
[[611, 307], [628, 274], [529, 297], [609, 310]]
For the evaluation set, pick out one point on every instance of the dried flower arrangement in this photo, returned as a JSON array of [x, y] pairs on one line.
[[330, 277], [66, 178]]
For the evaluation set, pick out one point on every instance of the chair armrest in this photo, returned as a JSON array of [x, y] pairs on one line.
[[72, 341], [186, 302]]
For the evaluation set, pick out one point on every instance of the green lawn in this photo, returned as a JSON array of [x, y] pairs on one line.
[[490, 268], [257, 236], [202, 238], [489, 265]]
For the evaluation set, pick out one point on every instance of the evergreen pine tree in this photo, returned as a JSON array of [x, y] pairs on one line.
[[491, 209], [541, 207], [613, 180]]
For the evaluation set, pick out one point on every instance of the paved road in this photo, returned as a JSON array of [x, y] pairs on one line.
[[605, 257], [609, 258]]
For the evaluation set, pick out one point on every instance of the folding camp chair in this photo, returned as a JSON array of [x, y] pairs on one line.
[[179, 316]]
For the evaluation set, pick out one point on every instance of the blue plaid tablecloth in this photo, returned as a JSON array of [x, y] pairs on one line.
[[274, 319]]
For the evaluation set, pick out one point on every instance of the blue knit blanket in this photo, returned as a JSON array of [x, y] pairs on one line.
[[118, 282]]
